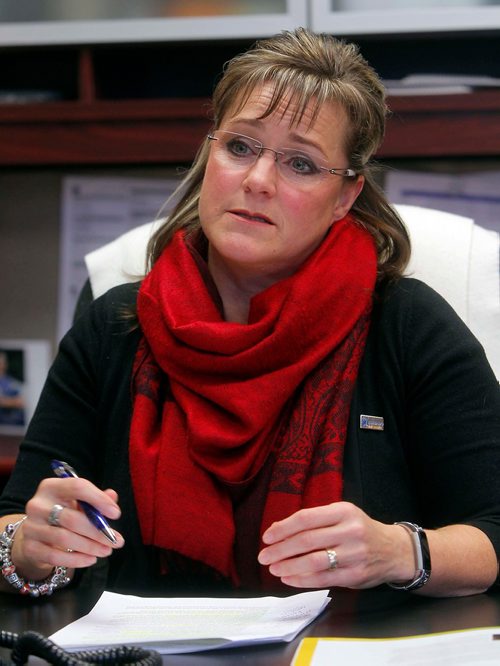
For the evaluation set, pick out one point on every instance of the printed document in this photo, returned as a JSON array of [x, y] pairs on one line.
[[95, 211], [189, 625], [475, 195], [472, 647]]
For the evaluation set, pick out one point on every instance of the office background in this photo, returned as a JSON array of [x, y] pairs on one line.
[[115, 88]]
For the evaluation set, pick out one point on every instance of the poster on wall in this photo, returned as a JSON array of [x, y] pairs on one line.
[[23, 368], [95, 211], [473, 195]]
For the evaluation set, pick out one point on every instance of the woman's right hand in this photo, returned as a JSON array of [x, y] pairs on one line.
[[75, 543]]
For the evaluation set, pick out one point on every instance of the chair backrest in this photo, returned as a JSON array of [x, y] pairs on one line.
[[451, 253], [460, 260]]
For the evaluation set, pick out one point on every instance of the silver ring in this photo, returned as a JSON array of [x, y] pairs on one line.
[[333, 560], [54, 514]]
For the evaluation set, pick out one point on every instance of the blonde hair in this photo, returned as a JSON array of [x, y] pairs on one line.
[[306, 68]]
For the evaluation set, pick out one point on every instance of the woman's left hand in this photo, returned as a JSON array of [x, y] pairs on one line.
[[368, 552]]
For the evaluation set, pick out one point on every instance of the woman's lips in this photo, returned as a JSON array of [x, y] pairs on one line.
[[254, 217]]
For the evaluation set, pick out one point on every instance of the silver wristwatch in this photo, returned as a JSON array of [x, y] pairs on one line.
[[422, 556]]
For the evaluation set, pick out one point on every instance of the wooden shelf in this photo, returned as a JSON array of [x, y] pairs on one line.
[[153, 131], [170, 130], [444, 126], [156, 110]]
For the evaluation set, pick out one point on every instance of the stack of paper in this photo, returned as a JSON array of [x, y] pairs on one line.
[[190, 625], [438, 84]]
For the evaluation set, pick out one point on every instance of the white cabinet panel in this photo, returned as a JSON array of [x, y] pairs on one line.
[[363, 17], [239, 21]]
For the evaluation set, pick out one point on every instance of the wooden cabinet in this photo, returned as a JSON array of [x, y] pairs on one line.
[[444, 126], [169, 131], [123, 104], [149, 103]]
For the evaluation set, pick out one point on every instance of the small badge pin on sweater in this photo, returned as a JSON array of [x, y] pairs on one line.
[[367, 422]]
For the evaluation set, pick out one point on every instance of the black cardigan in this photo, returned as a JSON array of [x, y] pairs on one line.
[[436, 462]]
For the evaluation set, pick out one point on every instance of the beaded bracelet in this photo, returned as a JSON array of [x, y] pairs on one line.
[[57, 578]]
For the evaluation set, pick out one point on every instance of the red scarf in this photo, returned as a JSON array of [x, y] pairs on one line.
[[235, 393]]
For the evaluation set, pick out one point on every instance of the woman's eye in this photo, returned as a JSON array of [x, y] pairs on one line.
[[239, 148], [302, 164]]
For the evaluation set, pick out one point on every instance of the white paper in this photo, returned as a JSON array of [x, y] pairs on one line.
[[189, 625], [474, 647], [449, 79], [94, 212], [475, 195], [438, 84]]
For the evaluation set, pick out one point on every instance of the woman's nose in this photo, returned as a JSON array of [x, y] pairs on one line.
[[263, 173]]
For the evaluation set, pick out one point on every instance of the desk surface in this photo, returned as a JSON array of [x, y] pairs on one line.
[[417, 615]]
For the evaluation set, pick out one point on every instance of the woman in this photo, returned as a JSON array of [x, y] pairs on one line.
[[286, 396]]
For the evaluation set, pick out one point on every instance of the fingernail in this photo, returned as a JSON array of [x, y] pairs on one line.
[[267, 537], [263, 558]]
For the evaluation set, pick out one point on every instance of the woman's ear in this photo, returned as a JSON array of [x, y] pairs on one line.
[[359, 184], [350, 192]]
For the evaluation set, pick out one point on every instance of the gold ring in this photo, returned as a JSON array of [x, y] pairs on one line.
[[333, 560]]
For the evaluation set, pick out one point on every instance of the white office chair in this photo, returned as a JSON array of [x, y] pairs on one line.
[[456, 257]]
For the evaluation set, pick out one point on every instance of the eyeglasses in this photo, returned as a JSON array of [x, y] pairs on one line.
[[238, 151]]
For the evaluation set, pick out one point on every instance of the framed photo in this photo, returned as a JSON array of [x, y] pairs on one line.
[[23, 367]]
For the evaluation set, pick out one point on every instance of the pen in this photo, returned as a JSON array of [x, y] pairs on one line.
[[63, 470]]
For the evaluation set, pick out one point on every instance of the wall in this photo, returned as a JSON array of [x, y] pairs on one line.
[[29, 246]]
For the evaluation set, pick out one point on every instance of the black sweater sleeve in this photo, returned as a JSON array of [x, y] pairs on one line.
[[437, 461], [453, 417], [76, 399]]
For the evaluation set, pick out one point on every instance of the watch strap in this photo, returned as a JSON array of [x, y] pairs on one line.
[[422, 558]]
